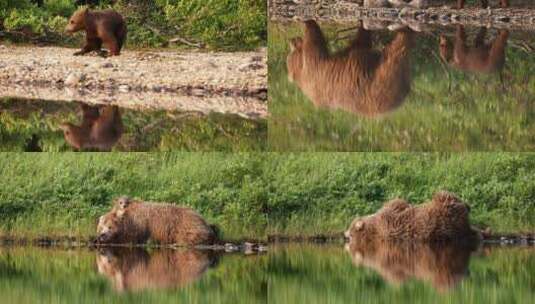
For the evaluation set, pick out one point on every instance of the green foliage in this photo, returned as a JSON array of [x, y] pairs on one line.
[[63, 194], [31, 18], [252, 195], [322, 192], [215, 24]]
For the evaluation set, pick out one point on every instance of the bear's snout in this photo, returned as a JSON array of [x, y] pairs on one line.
[[347, 234]]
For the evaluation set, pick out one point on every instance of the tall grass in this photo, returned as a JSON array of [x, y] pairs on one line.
[[63, 194], [253, 195]]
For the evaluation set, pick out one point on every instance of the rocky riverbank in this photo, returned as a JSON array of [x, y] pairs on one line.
[[186, 81]]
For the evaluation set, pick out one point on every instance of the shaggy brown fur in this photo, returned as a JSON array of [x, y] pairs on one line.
[[101, 27], [100, 129], [484, 3], [357, 79], [441, 264], [162, 223], [444, 218], [483, 58], [134, 269]]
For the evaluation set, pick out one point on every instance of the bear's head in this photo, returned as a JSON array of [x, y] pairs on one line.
[[77, 22], [121, 204], [360, 228], [109, 227], [294, 61]]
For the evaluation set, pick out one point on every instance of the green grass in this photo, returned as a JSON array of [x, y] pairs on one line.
[[326, 274], [144, 130], [466, 113], [316, 193], [253, 195], [64, 194], [222, 25]]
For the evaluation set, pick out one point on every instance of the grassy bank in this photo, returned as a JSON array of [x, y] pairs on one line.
[[253, 195], [214, 25], [322, 192], [64, 194], [445, 111], [24, 120]]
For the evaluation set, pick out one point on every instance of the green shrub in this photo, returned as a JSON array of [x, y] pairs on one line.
[[31, 18], [63, 8]]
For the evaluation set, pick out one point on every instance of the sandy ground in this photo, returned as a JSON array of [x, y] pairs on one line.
[[190, 81]]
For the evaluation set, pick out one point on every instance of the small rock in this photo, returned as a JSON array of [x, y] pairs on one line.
[[229, 247], [124, 88], [74, 79], [107, 65]]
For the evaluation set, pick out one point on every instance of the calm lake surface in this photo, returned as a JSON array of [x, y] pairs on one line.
[[122, 275], [476, 92], [51, 126], [391, 274], [296, 273]]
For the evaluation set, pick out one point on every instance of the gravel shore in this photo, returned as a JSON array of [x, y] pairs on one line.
[[189, 81]]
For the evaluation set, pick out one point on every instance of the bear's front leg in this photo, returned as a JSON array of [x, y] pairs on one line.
[[91, 44]]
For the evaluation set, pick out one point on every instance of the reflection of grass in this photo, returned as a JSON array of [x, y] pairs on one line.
[[325, 274], [63, 194], [31, 275], [144, 131], [475, 115]]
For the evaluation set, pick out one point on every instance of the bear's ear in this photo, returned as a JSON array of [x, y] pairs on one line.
[[359, 225], [296, 43]]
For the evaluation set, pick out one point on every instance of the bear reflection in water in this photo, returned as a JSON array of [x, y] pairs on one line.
[[100, 129], [356, 79], [442, 264], [481, 57], [134, 269]]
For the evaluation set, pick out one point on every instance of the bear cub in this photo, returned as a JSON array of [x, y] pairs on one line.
[[101, 27]]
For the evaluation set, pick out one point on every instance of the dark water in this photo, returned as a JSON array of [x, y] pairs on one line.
[[27, 125], [123, 275], [401, 274], [455, 88]]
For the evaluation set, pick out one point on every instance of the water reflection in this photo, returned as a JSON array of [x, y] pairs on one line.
[[358, 78], [52, 126], [135, 269], [481, 57], [100, 129], [443, 265], [346, 87]]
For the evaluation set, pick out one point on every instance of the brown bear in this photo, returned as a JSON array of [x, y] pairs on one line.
[[483, 58], [484, 3], [138, 221], [445, 218], [101, 128], [357, 79], [101, 27], [443, 265], [134, 269]]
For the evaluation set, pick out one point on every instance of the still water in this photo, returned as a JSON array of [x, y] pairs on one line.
[[296, 273], [123, 275], [356, 87], [401, 274], [36, 125]]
